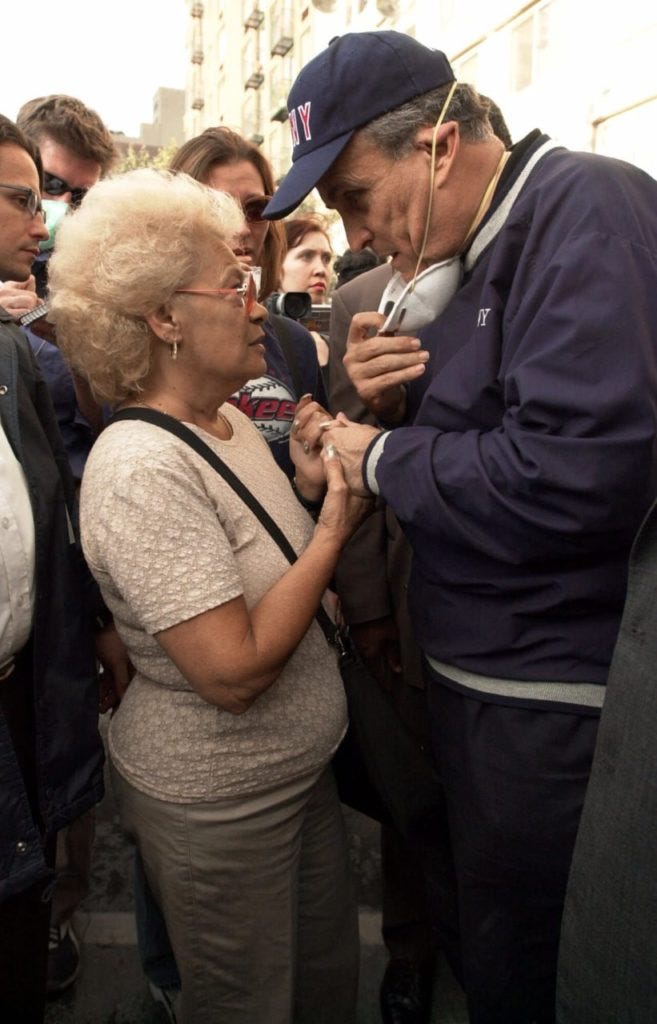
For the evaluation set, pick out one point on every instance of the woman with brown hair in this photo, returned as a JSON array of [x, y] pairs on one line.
[[307, 261], [223, 160], [307, 268]]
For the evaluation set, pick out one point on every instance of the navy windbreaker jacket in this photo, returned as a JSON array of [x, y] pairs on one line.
[[530, 460]]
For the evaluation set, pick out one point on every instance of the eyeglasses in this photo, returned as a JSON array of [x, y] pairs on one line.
[[254, 208], [32, 204], [55, 186], [248, 292]]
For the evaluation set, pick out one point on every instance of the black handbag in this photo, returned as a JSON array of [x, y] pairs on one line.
[[380, 768]]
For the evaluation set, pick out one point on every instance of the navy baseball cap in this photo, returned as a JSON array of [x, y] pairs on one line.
[[357, 78]]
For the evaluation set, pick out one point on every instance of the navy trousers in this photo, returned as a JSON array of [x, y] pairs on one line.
[[514, 780]]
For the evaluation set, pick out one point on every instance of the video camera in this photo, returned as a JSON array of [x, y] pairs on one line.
[[299, 306]]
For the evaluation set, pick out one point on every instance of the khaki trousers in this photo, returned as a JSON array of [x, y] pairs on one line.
[[258, 902]]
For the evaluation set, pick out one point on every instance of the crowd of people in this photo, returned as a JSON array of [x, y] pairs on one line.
[[463, 471]]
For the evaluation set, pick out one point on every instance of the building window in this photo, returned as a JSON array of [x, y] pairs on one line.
[[252, 14], [446, 13], [280, 144], [629, 135], [529, 46], [252, 61], [282, 27], [280, 82], [466, 69], [251, 118]]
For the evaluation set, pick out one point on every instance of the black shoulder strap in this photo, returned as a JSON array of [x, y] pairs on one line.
[[174, 426], [289, 349]]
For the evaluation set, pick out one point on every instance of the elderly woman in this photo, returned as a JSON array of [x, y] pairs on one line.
[[220, 748]]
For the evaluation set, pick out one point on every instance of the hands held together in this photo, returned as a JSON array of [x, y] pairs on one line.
[[379, 366], [321, 469], [317, 439]]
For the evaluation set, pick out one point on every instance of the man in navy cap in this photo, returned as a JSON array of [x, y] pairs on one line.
[[517, 449]]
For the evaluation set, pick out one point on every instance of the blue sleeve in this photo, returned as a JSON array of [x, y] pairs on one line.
[[571, 458], [77, 434]]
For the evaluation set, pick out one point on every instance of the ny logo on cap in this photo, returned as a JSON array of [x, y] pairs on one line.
[[304, 118]]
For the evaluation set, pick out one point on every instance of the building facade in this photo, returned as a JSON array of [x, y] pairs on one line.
[[165, 130], [581, 73]]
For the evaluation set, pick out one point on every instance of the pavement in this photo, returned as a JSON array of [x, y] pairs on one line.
[[111, 988]]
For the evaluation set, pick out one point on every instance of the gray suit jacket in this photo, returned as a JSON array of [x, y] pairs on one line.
[[608, 952]]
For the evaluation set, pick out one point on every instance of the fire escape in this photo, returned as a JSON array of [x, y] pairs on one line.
[[253, 71], [196, 13]]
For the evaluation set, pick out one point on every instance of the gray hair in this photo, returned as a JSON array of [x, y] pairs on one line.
[[394, 132]]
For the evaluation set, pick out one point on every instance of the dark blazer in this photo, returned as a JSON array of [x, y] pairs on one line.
[[69, 753], [608, 952], [372, 574]]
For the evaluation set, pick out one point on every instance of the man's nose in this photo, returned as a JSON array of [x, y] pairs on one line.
[[38, 227], [359, 237]]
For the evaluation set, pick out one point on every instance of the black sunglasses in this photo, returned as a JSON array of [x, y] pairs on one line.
[[54, 186], [254, 208]]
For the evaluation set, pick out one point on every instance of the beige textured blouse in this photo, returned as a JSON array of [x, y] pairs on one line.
[[167, 539]]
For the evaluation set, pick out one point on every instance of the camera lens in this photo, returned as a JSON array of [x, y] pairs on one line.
[[295, 304]]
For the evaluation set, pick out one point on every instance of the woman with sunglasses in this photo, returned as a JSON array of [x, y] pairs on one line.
[[223, 160], [220, 748]]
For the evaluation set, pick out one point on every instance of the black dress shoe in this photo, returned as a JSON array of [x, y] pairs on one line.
[[405, 993]]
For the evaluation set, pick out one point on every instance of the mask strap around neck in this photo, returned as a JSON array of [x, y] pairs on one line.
[[434, 143]]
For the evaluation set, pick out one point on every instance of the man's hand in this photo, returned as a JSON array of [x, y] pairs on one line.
[[117, 668], [377, 643], [351, 441], [380, 365], [19, 297]]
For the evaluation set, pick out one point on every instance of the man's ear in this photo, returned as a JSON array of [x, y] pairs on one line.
[[163, 324], [448, 139]]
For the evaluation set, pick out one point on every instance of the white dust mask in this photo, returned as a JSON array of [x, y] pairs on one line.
[[420, 301]]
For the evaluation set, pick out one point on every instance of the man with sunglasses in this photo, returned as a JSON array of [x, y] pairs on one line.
[[521, 461], [76, 151], [76, 147], [50, 750]]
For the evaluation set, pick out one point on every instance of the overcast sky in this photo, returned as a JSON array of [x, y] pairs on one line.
[[113, 56]]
